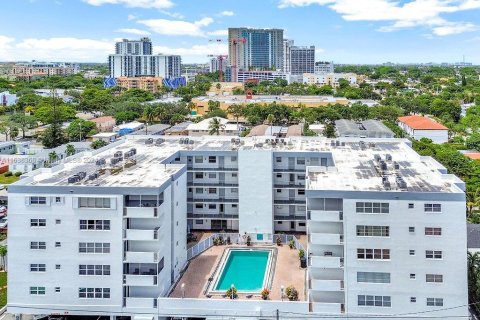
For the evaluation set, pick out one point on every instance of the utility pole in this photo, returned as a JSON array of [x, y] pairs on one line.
[[278, 316]]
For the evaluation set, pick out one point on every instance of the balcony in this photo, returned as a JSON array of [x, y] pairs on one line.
[[141, 235], [326, 262], [132, 302], [326, 285], [140, 280], [326, 239], [326, 216], [334, 308], [141, 257], [140, 212]]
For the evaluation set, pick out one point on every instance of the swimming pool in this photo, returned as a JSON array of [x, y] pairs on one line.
[[247, 269]]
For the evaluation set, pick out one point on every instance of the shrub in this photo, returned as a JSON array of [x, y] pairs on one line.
[[249, 241], [216, 241], [279, 241], [291, 244], [291, 293], [265, 293], [18, 174], [301, 253], [8, 174], [230, 292]]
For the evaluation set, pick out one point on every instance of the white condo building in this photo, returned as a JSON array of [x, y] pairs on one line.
[[105, 232]]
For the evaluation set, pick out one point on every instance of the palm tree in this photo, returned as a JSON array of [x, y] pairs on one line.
[[53, 156], [215, 126], [270, 121], [149, 115], [236, 111], [473, 267], [3, 254], [70, 150]]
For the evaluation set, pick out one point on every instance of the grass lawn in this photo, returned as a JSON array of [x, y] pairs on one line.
[[3, 291], [8, 180]]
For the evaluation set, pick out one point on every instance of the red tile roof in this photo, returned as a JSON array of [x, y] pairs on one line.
[[473, 155], [103, 119], [421, 123]]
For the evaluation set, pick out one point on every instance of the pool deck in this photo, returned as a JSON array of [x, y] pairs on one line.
[[287, 272]]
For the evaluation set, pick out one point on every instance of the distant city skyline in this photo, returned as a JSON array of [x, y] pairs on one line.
[[343, 31]]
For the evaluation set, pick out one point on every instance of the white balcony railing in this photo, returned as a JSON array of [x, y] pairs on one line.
[[140, 280], [334, 308], [142, 212], [326, 262], [141, 235], [140, 302], [141, 257], [326, 216], [326, 238], [326, 285]]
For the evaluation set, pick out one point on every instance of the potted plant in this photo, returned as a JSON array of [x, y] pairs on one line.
[[291, 244], [220, 240], [265, 293], [291, 293], [231, 293], [216, 241], [278, 240], [228, 240], [303, 259], [249, 241]]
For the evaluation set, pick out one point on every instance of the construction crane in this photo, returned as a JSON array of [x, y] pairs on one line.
[[220, 59], [233, 59]]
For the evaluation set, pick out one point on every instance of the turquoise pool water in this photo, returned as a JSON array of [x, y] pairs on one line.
[[245, 269]]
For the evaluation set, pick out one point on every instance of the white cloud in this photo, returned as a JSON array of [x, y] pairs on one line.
[[175, 15], [220, 33], [425, 13], [133, 31], [158, 4], [55, 49], [227, 13], [178, 27], [131, 17]]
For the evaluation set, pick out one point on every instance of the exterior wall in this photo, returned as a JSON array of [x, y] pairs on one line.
[[256, 210], [437, 136]]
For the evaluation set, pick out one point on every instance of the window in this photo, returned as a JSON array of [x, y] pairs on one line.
[[38, 222], [58, 244], [198, 190], [94, 224], [58, 267], [411, 252], [94, 270], [301, 177], [38, 267], [57, 289], [212, 175], [94, 247], [100, 203], [279, 175], [432, 254], [198, 206], [433, 207], [198, 175], [234, 190], [94, 293], [212, 190], [412, 276], [58, 200], [234, 205], [234, 175], [278, 159], [37, 290], [430, 231], [301, 224], [301, 192], [372, 207], [198, 221], [300, 161], [212, 159], [198, 159], [411, 229], [234, 159], [374, 301], [38, 245], [373, 277], [411, 206], [435, 302], [413, 299], [438, 278], [212, 206], [279, 190], [373, 231], [58, 221], [38, 200], [373, 254]]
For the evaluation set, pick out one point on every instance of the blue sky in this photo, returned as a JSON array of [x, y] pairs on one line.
[[345, 31]]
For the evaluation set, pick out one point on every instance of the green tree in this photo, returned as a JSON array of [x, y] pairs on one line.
[[53, 136], [93, 99], [52, 156], [79, 129], [215, 126], [473, 141], [98, 144], [70, 150], [359, 111], [48, 113], [3, 254], [23, 122], [270, 120], [329, 130]]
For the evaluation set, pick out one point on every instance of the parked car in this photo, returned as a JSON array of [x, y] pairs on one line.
[[3, 222], [3, 209]]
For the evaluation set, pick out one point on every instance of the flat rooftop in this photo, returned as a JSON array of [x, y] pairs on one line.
[[270, 99], [355, 165]]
